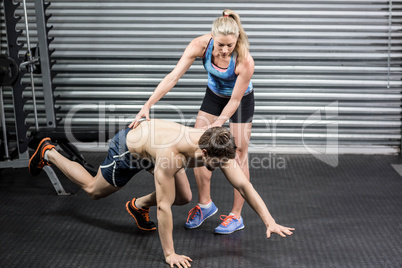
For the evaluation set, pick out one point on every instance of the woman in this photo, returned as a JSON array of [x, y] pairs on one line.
[[229, 95]]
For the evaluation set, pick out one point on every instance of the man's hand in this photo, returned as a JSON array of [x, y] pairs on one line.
[[144, 112], [180, 261], [279, 229]]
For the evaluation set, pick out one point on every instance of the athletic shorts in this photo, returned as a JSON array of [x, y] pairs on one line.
[[119, 165], [214, 104]]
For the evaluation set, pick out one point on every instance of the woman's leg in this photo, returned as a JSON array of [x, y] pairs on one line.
[[96, 187], [241, 133], [202, 174], [204, 209]]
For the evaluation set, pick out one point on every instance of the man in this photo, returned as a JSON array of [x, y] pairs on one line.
[[164, 148]]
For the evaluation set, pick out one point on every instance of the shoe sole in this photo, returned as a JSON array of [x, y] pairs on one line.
[[241, 228], [202, 221], [37, 151], [132, 215]]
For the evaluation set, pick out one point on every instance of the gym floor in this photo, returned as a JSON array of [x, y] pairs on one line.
[[347, 216]]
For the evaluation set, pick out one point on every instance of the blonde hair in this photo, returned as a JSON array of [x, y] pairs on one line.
[[230, 24]]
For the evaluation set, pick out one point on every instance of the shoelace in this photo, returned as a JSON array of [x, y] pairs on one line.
[[42, 163], [227, 219], [194, 212], [145, 213]]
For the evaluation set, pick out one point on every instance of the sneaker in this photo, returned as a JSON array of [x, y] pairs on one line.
[[141, 216], [229, 224], [36, 163], [197, 215]]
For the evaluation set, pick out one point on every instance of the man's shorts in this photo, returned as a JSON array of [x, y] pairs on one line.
[[119, 165], [214, 104]]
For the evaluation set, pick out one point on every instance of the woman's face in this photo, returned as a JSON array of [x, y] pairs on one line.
[[224, 45]]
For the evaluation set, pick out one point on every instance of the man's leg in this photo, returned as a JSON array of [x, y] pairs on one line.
[[183, 192], [97, 187], [138, 208], [183, 189]]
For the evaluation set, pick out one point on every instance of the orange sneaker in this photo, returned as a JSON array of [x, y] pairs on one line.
[[141, 216], [36, 163]]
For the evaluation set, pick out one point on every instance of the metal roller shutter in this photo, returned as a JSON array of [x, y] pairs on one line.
[[328, 73]]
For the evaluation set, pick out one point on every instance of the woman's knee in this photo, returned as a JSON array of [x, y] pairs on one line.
[[242, 153]]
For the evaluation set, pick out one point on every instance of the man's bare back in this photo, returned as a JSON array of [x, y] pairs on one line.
[[155, 137]]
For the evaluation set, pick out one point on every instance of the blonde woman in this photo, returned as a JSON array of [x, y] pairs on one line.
[[229, 95]]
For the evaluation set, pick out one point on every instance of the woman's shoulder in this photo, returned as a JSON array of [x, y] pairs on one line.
[[199, 44], [247, 59], [202, 40], [247, 64]]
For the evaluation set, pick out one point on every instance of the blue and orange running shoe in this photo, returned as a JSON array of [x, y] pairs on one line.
[[229, 224], [197, 215]]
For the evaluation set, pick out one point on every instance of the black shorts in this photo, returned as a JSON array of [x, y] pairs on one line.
[[214, 104], [119, 165]]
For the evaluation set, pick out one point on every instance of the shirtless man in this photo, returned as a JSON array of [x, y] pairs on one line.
[[164, 148]]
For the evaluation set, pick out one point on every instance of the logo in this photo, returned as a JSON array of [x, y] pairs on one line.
[[325, 116]]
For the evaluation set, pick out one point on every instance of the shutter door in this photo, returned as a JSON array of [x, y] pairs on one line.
[[328, 73]]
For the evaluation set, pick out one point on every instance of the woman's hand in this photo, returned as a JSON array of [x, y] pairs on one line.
[[144, 112], [210, 126]]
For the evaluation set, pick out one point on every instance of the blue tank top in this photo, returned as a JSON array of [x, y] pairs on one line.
[[222, 83]]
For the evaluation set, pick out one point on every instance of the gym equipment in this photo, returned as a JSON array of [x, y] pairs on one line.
[[12, 70], [8, 70], [22, 156], [34, 63], [30, 65]]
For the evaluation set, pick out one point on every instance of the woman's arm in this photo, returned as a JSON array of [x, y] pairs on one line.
[[245, 71], [195, 49]]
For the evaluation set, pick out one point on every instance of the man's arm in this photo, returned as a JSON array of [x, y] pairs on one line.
[[239, 181], [165, 169]]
